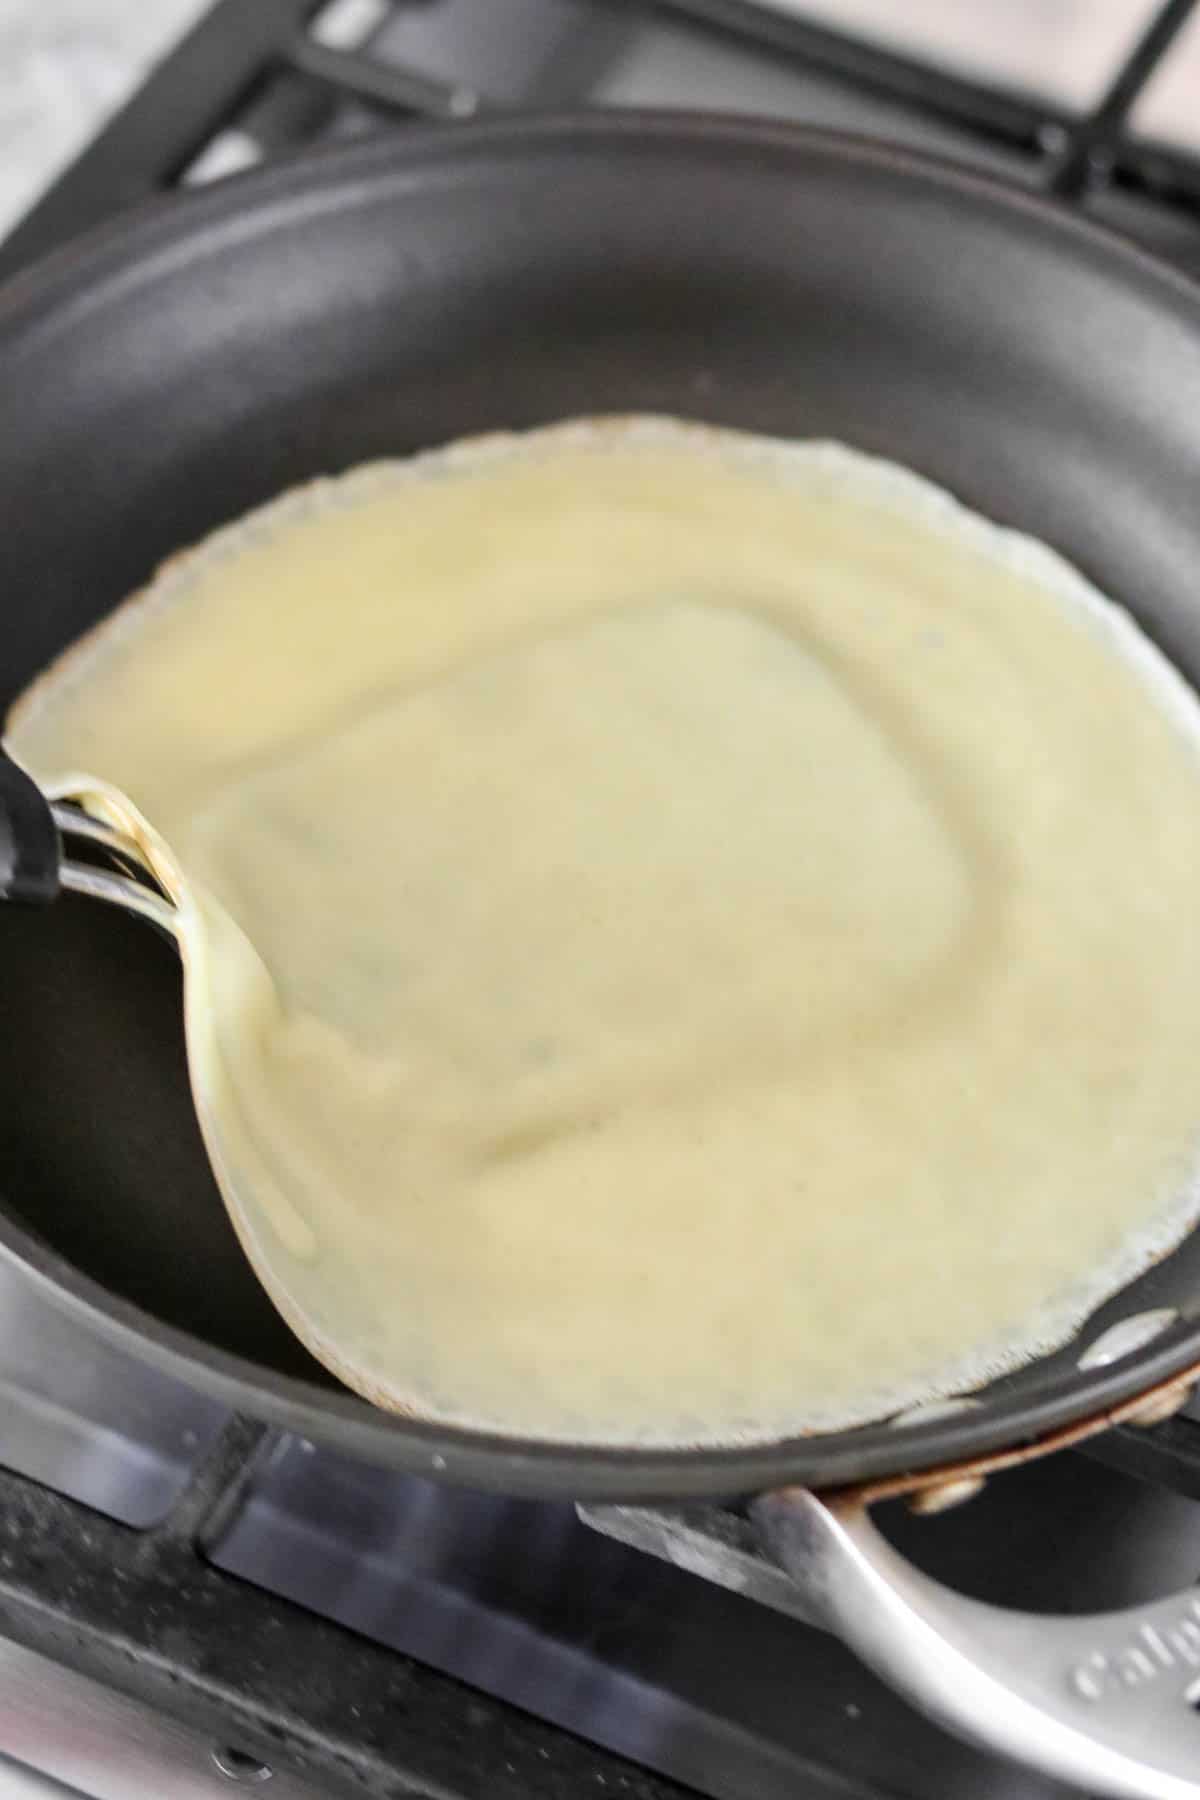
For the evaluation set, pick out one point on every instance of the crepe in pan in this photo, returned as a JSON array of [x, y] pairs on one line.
[[689, 938]]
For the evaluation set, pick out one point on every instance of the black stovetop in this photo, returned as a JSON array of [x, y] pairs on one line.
[[374, 1632]]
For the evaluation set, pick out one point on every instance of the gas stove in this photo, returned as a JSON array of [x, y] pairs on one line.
[[190, 1602]]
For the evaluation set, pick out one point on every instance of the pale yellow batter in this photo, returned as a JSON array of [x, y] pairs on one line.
[[688, 937]]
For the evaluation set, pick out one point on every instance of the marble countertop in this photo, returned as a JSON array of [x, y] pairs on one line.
[[65, 66]]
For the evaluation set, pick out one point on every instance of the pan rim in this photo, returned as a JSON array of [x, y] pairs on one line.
[[164, 220], [131, 246], [338, 1420]]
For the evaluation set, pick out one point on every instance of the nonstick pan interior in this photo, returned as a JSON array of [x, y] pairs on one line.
[[181, 369]]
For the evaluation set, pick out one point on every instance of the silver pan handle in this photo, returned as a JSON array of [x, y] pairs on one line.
[[1107, 1701]]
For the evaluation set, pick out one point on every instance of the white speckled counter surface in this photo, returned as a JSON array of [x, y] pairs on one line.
[[65, 66]]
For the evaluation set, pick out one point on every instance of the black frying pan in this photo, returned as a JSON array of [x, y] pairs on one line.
[[179, 369]]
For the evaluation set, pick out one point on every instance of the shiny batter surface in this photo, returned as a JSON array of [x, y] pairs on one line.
[[689, 938]]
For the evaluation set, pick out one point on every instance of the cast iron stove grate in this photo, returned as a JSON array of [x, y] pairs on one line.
[[259, 76]]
